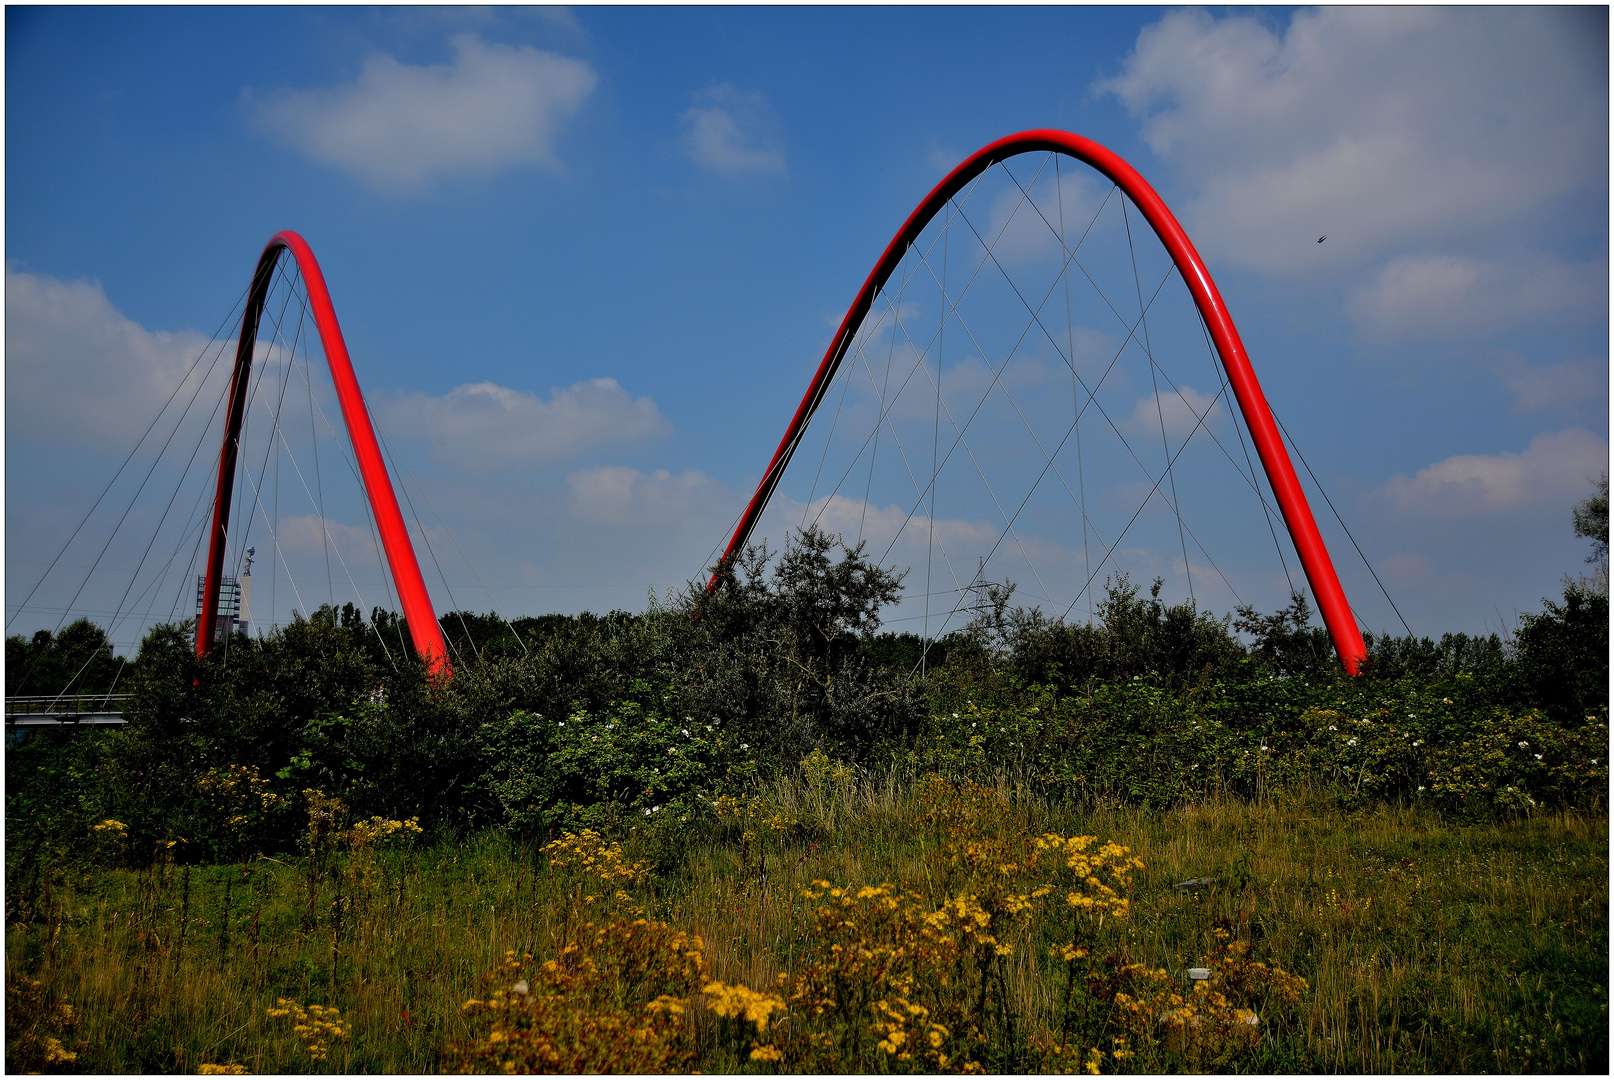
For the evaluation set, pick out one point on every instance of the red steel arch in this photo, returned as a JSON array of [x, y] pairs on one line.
[[412, 595], [1252, 403]]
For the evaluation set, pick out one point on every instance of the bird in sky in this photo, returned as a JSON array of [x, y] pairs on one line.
[[1323, 237]]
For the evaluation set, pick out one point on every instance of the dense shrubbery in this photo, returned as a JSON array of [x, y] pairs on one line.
[[569, 722]]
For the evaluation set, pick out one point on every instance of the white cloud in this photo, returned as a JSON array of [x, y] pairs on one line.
[[943, 159], [484, 426], [1568, 384], [1180, 410], [732, 131], [879, 525], [1454, 296], [1022, 226], [1375, 126], [399, 126], [1549, 475], [75, 364], [303, 535], [617, 495]]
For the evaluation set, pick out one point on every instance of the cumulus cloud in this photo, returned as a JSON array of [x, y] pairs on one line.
[[1565, 385], [1024, 225], [484, 426], [399, 126], [1455, 296], [309, 534], [75, 363], [880, 524], [1550, 474], [732, 131], [1373, 125], [1180, 410], [618, 495]]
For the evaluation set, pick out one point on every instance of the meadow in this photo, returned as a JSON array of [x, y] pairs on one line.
[[745, 832], [1387, 939]]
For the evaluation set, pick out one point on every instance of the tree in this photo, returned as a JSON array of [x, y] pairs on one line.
[[1591, 521], [79, 660]]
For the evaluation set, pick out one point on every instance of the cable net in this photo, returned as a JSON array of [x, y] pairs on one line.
[[1032, 399]]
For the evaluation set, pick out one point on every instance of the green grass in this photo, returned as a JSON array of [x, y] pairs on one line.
[[1429, 945]]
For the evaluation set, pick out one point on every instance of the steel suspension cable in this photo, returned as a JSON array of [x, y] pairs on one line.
[[138, 443]]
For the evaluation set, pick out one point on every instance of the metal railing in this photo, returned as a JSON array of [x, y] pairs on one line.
[[59, 709]]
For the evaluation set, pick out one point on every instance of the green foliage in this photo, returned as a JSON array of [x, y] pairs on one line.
[[1452, 742], [1561, 656], [1591, 520], [606, 770], [1287, 642], [621, 721], [1176, 644], [1425, 945], [1399, 657], [78, 660]]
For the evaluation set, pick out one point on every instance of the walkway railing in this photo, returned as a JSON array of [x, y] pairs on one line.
[[65, 709]]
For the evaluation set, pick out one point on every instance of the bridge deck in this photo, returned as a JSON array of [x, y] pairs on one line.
[[66, 710]]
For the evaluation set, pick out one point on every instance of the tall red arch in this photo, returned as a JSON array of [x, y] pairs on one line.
[[1252, 403], [412, 595]]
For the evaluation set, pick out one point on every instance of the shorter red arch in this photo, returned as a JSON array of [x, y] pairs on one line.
[[412, 594], [1297, 516]]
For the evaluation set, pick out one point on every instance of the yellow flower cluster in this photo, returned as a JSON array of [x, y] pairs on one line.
[[1090, 893], [379, 830], [589, 853], [316, 1025], [903, 1026], [56, 1054], [755, 813], [223, 1070], [918, 968], [615, 1001], [31, 1017], [239, 792], [111, 828], [741, 1002], [1214, 1018]]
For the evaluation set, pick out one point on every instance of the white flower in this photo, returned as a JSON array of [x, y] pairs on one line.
[[1333, 727], [1266, 748], [1522, 744], [1196, 766], [955, 716], [686, 733], [561, 724], [1420, 787], [647, 812], [1417, 742], [1351, 743], [745, 746], [1538, 757]]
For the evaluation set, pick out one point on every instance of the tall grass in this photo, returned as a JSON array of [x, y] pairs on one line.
[[1426, 944]]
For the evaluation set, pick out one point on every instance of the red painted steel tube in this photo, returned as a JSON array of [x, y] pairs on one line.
[[1297, 516], [412, 594]]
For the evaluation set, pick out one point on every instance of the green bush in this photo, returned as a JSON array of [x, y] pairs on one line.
[[600, 770]]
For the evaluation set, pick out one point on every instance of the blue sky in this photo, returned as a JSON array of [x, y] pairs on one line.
[[586, 260]]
